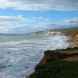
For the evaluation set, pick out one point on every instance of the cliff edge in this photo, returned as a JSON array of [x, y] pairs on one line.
[[58, 64]]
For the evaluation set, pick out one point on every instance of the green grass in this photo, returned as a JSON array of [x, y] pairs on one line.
[[56, 69]]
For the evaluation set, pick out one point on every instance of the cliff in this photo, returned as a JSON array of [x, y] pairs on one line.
[[58, 64]]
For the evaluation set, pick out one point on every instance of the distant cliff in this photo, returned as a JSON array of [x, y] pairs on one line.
[[57, 64]]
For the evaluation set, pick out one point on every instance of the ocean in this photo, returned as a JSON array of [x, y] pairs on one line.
[[19, 54]]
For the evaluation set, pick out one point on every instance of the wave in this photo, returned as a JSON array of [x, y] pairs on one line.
[[54, 41]]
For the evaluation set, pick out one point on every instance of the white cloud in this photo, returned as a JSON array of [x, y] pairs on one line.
[[33, 24], [20, 24], [20, 5], [40, 4], [73, 21], [7, 23], [3, 30]]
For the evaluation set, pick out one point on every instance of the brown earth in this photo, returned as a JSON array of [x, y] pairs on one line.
[[70, 54]]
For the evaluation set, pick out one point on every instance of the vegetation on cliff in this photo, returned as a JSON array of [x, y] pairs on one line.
[[53, 65]]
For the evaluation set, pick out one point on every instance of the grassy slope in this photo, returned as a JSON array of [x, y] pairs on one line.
[[57, 68]]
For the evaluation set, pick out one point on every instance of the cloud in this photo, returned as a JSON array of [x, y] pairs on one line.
[[33, 24], [7, 23], [21, 5], [20, 24], [39, 4], [73, 21]]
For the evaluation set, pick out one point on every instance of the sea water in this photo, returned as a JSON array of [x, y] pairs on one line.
[[19, 54]]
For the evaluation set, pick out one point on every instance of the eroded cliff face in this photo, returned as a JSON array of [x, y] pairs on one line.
[[72, 35], [59, 55], [75, 38]]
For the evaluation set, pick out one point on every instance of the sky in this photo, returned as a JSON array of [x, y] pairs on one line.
[[23, 16]]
